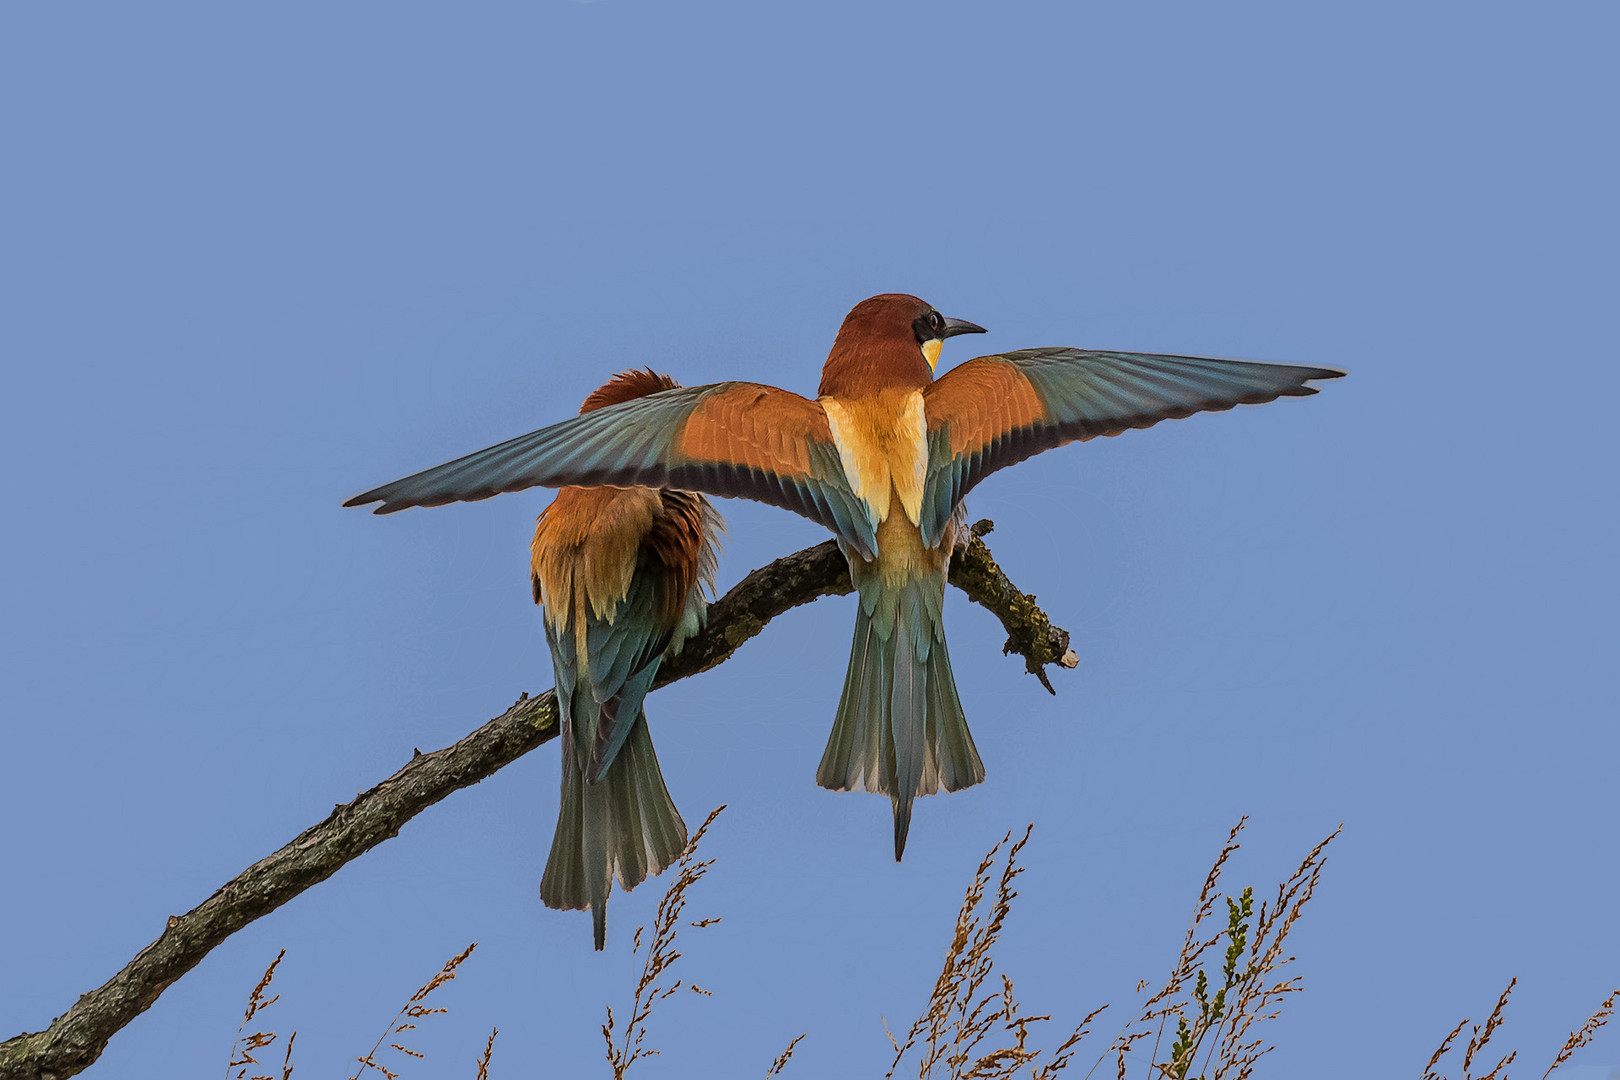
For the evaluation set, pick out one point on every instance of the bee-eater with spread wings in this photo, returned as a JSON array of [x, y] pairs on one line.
[[621, 573], [883, 457]]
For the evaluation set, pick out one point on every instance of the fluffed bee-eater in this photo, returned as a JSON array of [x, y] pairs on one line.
[[620, 573], [883, 457]]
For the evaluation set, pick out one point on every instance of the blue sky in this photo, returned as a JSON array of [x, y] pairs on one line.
[[254, 261]]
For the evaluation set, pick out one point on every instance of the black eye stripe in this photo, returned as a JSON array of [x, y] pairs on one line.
[[928, 327]]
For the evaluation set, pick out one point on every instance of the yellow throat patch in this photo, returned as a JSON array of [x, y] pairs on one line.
[[930, 351]]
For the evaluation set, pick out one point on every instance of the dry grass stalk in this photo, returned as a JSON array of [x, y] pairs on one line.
[[1249, 990], [661, 953], [784, 1057], [1260, 992], [412, 1011], [1445, 1045], [489, 1048], [1583, 1034], [242, 1049], [965, 1006], [1150, 1019], [1478, 1039], [1483, 1033], [1481, 1037]]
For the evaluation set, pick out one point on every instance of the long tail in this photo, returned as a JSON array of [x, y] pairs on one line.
[[900, 729], [624, 825]]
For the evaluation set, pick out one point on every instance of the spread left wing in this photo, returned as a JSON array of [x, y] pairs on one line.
[[737, 439], [995, 411]]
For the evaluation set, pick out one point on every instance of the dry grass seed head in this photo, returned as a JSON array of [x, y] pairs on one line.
[[1193, 946], [1477, 1041], [1481, 1037], [1220, 1025], [243, 1047], [966, 1005], [661, 954], [1483, 1033], [1445, 1045], [1065, 1050], [489, 1049], [784, 1057], [1257, 999], [1583, 1034], [411, 1011]]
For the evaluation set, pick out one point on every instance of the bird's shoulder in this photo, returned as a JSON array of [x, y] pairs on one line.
[[756, 425], [981, 397]]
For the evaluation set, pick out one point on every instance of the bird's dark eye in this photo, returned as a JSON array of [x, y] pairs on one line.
[[928, 327]]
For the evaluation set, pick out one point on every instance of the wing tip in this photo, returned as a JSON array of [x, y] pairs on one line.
[[1303, 388], [393, 504], [384, 507]]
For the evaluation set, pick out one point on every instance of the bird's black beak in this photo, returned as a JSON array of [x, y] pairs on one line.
[[961, 326]]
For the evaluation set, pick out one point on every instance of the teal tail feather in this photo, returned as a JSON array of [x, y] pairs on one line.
[[900, 730], [625, 826]]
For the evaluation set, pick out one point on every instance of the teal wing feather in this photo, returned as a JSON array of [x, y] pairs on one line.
[[994, 411], [600, 698], [623, 656]]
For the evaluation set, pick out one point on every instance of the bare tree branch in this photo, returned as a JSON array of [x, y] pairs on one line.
[[77, 1038]]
